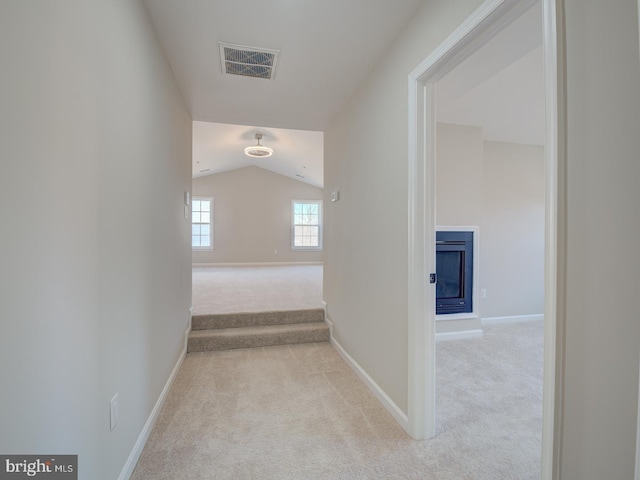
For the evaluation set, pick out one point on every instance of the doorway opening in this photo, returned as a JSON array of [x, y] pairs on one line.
[[491, 18]]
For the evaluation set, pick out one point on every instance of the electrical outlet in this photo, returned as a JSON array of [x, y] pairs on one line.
[[115, 411]]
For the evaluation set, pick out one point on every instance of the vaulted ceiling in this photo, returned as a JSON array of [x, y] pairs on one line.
[[327, 48], [501, 86]]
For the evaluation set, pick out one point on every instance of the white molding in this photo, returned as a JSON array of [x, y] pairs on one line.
[[254, 264], [456, 316], [483, 24], [637, 472], [421, 297], [512, 319], [462, 335], [132, 460], [187, 332], [555, 236], [329, 322], [378, 392]]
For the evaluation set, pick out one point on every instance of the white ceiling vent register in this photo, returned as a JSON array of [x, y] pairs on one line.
[[248, 61]]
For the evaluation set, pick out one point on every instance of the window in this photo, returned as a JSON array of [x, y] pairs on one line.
[[201, 223], [307, 225]]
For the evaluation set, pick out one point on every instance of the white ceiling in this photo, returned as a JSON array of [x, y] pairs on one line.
[[327, 48], [501, 86], [298, 154]]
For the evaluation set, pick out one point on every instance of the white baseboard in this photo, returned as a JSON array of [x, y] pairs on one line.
[[131, 462], [328, 320], [512, 319], [457, 316], [254, 264], [380, 394], [462, 335], [637, 472]]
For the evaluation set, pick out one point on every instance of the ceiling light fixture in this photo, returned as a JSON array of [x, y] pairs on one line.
[[258, 150]]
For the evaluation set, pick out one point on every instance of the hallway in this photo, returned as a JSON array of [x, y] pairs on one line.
[[299, 411]]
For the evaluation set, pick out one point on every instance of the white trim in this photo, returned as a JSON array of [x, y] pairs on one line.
[[512, 319], [637, 473], [254, 264], [132, 460], [421, 342], [329, 322], [378, 392], [485, 22], [457, 316], [463, 335], [555, 236], [187, 332]]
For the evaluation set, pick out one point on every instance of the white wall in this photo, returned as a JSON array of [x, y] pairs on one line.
[[365, 255], [252, 216], [512, 230], [603, 264], [365, 273], [459, 175], [95, 279], [498, 187]]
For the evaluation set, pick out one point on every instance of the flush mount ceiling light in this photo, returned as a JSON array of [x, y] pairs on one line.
[[258, 151]]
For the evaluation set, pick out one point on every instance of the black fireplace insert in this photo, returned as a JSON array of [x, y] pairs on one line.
[[454, 270]]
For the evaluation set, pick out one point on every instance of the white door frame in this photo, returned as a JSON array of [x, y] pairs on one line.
[[490, 18]]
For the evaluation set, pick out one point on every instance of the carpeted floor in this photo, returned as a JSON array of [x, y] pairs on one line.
[[256, 289], [299, 412]]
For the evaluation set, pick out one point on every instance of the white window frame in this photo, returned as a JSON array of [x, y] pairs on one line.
[[211, 219], [293, 225]]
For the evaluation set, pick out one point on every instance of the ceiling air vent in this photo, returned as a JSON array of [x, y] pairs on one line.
[[248, 61]]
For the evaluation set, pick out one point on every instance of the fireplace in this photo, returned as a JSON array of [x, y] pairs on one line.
[[454, 272]]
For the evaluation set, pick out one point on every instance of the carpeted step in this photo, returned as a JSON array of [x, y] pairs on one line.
[[255, 319], [257, 336]]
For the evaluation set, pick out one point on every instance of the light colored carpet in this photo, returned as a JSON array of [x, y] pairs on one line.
[[256, 289], [299, 412]]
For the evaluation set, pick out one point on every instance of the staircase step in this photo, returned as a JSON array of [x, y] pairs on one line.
[[257, 336], [254, 319]]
